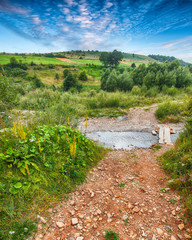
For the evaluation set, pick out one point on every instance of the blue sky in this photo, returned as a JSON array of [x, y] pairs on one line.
[[140, 26]]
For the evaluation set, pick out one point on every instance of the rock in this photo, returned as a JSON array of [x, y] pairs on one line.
[[187, 236], [72, 212], [79, 238], [154, 132], [92, 194], [124, 217], [173, 238], [179, 236], [173, 213], [122, 118], [98, 211], [60, 224], [159, 231], [130, 206], [40, 236], [74, 221], [72, 203], [42, 219], [181, 226], [154, 238], [136, 209]]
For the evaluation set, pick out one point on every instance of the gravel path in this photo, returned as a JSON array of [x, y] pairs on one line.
[[126, 192]]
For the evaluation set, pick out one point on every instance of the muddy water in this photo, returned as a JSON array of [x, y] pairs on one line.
[[126, 140]]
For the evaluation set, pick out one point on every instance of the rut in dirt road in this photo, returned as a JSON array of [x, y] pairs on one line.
[[126, 192]]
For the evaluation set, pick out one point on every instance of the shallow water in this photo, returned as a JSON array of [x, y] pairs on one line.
[[126, 140]]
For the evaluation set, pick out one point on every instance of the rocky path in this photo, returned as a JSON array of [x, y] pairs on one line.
[[126, 192]]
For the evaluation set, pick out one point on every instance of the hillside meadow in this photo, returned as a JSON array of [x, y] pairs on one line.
[[41, 102]]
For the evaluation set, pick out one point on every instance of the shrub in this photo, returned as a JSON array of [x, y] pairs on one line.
[[69, 82], [110, 235], [83, 76], [167, 109]]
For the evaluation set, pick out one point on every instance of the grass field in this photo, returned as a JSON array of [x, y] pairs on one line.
[[4, 59]]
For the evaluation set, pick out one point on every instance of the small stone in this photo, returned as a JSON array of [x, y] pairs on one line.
[[124, 217], [92, 194], [159, 231], [181, 226], [79, 238], [72, 212], [72, 203], [173, 238], [42, 219], [173, 213], [154, 238], [98, 211], [81, 216], [74, 221], [187, 236], [136, 209], [50, 210], [130, 206], [178, 209], [60, 224], [179, 236], [40, 236]]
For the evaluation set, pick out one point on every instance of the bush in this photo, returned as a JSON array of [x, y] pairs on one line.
[[40, 166], [69, 82], [167, 109], [83, 76]]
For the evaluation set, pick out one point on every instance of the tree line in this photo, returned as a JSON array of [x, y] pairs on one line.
[[153, 75]]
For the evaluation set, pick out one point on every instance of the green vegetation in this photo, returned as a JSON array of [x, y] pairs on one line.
[[40, 165], [110, 235], [162, 58], [111, 59], [177, 162], [42, 156], [170, 111]]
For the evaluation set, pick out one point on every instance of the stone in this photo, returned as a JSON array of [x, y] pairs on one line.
[[136, 209], [187, 236], [72, 203], [60, 224], [154, 238], [173, 238], [130, 206], [43, 220], [79, 238], [98, 211], [124, 217], [74, 221], [173, 213], [181, 226], [72, 212], [179, 236], [159, 231]]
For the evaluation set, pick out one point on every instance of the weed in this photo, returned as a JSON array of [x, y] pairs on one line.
[[126, 221], [156, 147], [122, 184], [110, 235], [172, 201]]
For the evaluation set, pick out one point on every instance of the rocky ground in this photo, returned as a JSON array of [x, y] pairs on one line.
[[137, 119], [126, 192]]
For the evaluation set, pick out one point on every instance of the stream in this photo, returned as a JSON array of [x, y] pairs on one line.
[[126, 140]]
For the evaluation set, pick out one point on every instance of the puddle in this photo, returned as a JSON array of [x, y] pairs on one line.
[[126, 140]]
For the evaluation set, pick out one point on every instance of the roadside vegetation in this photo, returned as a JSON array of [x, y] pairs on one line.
[[43, 156], [177, 162]]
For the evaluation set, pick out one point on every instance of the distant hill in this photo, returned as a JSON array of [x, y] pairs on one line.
[[162, 58]]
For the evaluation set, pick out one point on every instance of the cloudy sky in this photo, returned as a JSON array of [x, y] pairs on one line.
[[135, 26]]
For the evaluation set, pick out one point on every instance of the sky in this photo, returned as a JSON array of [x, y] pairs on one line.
[[133, 26]]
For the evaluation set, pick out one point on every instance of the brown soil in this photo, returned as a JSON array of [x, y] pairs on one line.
[[67, 60], [126, 192]]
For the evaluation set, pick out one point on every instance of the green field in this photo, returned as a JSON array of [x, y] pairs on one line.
[[4, 59]]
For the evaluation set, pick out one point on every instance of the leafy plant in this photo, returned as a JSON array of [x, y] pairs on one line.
[[110, 235]]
